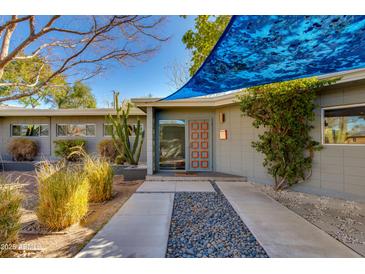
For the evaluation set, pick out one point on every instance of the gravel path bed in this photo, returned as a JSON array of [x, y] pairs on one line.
[[205, 225]]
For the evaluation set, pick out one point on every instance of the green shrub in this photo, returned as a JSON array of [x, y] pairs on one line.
[[23, 149], [285, 111], [108, 150], [64, 149], [120, 159], [63, 195], [100, 177], [10, 202]]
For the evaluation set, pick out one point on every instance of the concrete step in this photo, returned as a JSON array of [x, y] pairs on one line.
[[229, 178]]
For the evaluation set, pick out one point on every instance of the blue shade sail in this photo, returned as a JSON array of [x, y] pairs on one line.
[[257, 50]]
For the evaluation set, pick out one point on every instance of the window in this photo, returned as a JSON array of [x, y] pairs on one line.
[[345, 125], [30, 130], [108, 130], [44, 130], [90, 130], [70, 130], [172, 144]]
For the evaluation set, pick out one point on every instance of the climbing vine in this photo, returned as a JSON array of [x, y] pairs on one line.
[[285, 111]]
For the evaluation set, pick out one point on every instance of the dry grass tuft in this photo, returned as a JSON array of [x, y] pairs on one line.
[[63, 195], [100, 176], [10, 202]]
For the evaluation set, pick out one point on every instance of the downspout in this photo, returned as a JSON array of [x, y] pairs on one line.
[[50, 137]]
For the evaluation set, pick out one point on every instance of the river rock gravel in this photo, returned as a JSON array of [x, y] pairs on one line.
[[204, 224]]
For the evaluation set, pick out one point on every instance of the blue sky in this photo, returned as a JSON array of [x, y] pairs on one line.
[[138, 79], [149, 77]]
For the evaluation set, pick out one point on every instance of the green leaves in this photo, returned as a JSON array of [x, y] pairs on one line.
[[285, 110], [31, 73], [208, 29], [77, 96], [57, 91]]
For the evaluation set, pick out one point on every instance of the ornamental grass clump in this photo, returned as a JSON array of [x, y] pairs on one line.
[[99, 174], [285, 111], [10, 203], [63, 195], [100, 177], [23, 149]]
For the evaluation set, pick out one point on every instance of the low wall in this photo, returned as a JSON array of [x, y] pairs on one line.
[[17, 166], [129, 173]]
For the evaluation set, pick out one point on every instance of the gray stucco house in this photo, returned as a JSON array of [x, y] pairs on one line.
[[210, 134], [55, 124]]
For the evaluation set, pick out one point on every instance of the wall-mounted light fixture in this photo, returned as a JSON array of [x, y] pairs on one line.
[[223, 134], [222, 117]]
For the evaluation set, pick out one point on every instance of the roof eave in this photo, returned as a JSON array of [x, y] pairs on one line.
[[228, 99], [64, 112]]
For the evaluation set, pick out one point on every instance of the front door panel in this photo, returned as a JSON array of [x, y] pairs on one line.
[[199, 153]]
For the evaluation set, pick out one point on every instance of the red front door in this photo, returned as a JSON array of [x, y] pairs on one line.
[[199, 145]]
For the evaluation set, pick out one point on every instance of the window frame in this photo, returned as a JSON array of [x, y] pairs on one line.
[[107, 124], [35, 124], [323, 109], [74, 136]]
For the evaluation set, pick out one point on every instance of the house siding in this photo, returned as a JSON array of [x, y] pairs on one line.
[[338, 170], [46, 143], [150, 141], [236, 155]]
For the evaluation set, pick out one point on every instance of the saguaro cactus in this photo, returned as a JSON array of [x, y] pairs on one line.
[[121, 133]]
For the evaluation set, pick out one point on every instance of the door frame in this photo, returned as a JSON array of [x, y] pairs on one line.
[[157, 146], [175, 116], [210, 144]]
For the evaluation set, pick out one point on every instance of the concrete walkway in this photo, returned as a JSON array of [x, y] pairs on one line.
[[176, 186], [140, 229], [281, 232]]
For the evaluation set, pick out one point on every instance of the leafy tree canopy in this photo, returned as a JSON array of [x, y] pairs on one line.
[[77, 96], [29, 70], [57, 92], [208, 29]]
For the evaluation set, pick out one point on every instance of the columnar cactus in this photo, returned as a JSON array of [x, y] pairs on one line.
[[121, 133]]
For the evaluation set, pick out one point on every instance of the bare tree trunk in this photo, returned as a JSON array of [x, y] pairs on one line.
[[6, 44]]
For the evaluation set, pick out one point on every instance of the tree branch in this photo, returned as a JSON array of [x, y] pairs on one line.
[[6, 59], [14, 21], [31, 25], [94, 43], [46, 45], [6, 43]]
